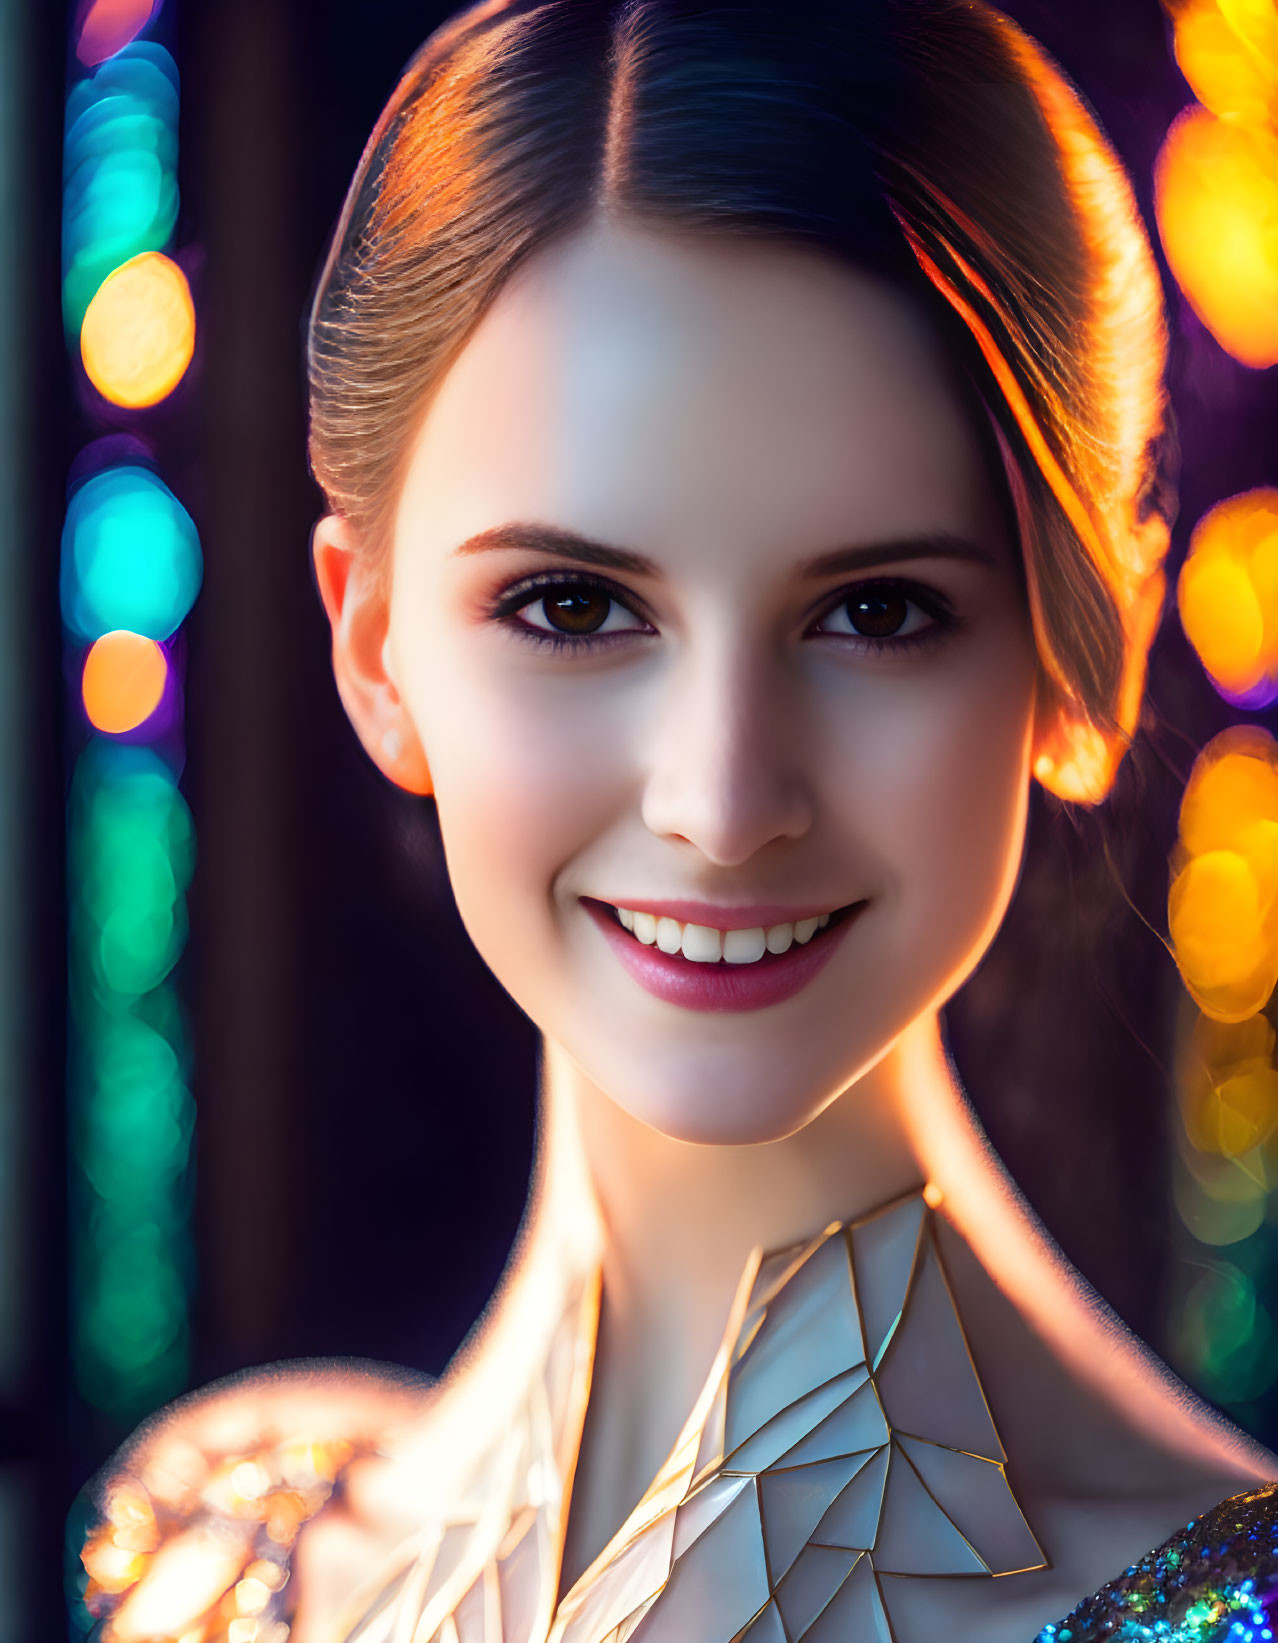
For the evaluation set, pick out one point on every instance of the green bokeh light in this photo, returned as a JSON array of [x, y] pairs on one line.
[[131, 852], [130, 556], [1227, 1336]]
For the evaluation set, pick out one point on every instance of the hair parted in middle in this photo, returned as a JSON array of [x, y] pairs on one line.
[[931, 142]]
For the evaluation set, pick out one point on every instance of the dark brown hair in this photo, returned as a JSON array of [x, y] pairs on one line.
[[930, 141]]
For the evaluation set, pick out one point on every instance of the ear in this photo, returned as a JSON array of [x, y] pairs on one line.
[[356, 602]]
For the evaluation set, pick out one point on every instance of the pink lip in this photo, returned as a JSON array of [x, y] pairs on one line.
[[716, 916], [677, 980]]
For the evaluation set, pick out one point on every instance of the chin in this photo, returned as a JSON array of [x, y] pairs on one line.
[[726, 1108]]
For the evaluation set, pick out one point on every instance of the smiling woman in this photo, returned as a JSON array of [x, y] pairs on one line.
[[736, 500]]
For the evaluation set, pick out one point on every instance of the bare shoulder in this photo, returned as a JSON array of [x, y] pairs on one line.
[[205, 1515]]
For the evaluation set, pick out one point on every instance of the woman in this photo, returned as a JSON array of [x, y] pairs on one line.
[[740, 425]]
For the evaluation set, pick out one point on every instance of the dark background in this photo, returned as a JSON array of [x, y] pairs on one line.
[[365, 1089]]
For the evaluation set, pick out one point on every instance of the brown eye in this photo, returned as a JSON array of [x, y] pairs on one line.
[[576, 610], [879, 613], [883, 613], [560, 611]]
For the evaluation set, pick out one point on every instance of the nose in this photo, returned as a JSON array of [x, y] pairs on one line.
[[726, 770]]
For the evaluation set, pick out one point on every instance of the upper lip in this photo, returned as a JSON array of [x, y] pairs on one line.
[[744, 915]]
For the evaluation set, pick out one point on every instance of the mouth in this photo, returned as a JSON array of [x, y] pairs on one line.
[[706, 967]]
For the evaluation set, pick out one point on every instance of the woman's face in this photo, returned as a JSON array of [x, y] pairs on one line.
[[701, 594]]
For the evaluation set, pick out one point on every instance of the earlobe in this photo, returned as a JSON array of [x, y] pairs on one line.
[[358, 609]]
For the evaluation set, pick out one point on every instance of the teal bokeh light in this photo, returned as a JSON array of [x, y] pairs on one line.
[[132, 1119], [130, 557], [120, 193]]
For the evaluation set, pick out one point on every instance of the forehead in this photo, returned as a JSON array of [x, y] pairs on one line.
[[651, 389]]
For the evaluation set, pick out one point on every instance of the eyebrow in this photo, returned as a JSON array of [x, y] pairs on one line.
[[566, 544]]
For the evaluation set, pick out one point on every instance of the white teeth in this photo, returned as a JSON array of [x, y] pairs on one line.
[[743, 946], [780, 938], [669, 935], [702, 944]]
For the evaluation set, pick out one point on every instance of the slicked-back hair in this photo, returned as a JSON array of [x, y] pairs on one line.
[[931, 142]]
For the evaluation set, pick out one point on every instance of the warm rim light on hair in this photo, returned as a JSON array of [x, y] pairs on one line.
[[138, 335], [1049, 268]]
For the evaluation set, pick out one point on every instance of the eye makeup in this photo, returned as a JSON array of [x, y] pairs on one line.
[[879, 598]]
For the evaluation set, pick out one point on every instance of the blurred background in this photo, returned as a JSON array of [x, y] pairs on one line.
[[259, 1098]]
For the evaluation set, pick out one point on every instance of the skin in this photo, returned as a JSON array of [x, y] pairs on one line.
[[731, 411]]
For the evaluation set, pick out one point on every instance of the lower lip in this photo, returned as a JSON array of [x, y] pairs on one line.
[[721, 986]]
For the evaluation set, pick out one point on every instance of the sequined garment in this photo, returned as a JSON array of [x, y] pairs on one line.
[[841, 1439], [1214, 1582]]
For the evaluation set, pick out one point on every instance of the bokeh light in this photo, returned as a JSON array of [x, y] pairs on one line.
[[1229, 1334], [109, 25], [131, 853], [123, 680], [130, 556], [130, 570], [120, 192], [1216, 200], [1223, 904], [1228, 51], [1229, 1093], [138, 335], [1227, 596]]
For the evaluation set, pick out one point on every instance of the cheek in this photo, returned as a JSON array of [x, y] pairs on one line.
[[527, 772], [939, 779]]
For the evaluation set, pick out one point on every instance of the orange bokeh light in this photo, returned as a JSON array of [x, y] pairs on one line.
[[1222, 911], [109, 25], [1228, 592], [1228, 51], [123, 681], [138, 334], [1216, 198]]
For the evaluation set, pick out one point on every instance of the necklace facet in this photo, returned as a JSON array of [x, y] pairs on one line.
[[841, 1445], [848, 1445]]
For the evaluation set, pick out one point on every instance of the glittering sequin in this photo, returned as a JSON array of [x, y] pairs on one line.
[[1215, 1581]]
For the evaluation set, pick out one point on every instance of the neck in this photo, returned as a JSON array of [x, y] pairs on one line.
[[679, 1221], [681, 1218]]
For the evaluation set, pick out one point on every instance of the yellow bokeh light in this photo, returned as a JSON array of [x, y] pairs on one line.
[[1217, 1221], [1227, 594], [123, 681], [1222, 910], [1222, 619], [1234, 783], [1255, 22], [138, 335], [1229, 1096], [1216, 200], [1215, 919], [1225, 51]]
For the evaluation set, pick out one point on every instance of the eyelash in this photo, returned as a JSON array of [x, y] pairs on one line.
[[506, 607]]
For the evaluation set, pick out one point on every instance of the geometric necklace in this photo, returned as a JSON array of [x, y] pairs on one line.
[[841, 1443], [845, 1444]]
